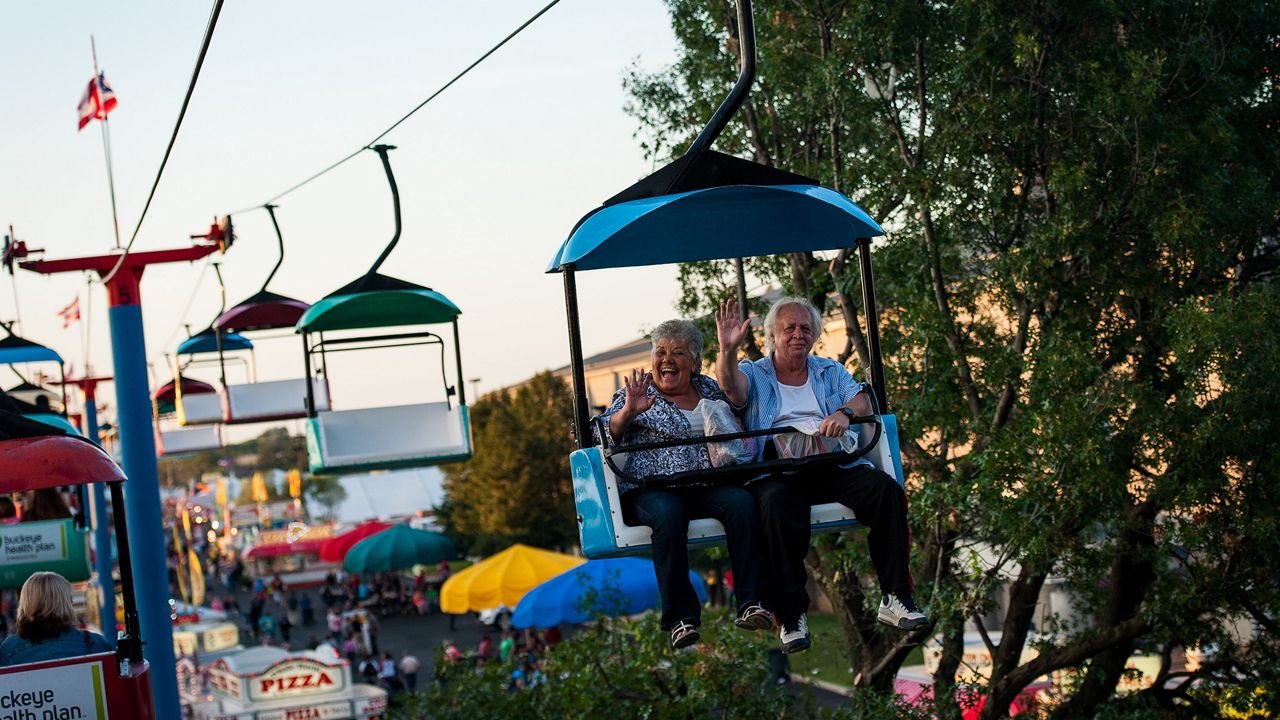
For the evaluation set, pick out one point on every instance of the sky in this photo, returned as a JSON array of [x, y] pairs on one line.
[[492, 174]]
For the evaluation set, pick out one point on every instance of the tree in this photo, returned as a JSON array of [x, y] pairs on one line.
[[516, 487], [1077, 297], [326, 490], [624, 669]]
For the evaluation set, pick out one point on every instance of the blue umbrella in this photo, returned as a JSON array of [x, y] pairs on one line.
[[614, 586]]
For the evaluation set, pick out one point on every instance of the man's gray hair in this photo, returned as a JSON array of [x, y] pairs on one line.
[[771, 319], [682, 331]]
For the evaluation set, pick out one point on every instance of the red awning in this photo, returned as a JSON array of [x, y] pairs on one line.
[[335, 549], [310, 547], [44, 462]]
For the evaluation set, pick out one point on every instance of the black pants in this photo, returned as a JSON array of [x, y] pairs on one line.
[[784, 502], [667, 513]]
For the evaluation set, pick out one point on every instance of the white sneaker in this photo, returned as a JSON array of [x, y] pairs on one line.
[[901, 613], [795, 635]]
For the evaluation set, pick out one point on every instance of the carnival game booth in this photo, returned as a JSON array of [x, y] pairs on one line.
[[197, 644], [269, 683], [100, 685], [293, 549]]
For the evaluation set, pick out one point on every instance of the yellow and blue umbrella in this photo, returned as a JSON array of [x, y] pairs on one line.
[[612, 587], [502, 579]]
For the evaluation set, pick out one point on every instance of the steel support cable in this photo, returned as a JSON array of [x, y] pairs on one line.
[[409, 114], [182, 113]]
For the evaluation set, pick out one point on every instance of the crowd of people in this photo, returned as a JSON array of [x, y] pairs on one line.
[[519, 654]]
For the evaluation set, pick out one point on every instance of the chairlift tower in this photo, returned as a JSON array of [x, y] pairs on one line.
[[101, 529], [122, 276]]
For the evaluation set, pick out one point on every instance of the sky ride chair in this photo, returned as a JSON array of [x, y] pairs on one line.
[[207, 348], [706, 205], [172, 437], [33, 456], [52, 410], [417, 435], [266, 401]]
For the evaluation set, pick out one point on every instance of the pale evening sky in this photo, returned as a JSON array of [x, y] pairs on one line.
[[492, 174]]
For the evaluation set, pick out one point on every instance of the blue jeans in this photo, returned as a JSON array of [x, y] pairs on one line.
[[667, 513]]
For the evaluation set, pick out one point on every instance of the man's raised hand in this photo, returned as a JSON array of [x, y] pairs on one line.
[[730, 331]]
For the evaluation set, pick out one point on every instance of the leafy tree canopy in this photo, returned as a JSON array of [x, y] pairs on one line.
[[1078, 307], [515, 488]]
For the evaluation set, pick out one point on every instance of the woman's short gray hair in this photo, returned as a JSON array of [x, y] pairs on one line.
[[771, 319], [682, 331]]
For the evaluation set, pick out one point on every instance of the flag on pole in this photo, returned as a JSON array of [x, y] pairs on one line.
[[70, 313], [98, 100]]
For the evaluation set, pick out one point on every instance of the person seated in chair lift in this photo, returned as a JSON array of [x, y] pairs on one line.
[[664, 404], [791, 387]]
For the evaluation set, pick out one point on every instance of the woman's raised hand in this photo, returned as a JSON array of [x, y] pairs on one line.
[[638, 398], [731, 331]]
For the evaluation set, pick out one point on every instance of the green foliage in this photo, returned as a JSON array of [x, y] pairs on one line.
[[626, 670], [1078, 303], [515, 488]]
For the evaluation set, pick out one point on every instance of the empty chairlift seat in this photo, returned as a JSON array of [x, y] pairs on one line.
[[386, 437], [194, 399], [274, 400], [397, 436]]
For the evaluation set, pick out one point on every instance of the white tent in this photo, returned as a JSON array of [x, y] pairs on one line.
[[395, 493]]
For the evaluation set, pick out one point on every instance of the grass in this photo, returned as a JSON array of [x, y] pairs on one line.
[[827, 659]]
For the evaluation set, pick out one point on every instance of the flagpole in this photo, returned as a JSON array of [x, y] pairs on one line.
[[106, 148]]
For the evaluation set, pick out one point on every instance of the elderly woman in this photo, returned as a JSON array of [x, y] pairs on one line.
[[791, 387], [46, 627], [663, 405]]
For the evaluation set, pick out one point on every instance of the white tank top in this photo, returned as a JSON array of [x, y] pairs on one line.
[[798, 406], [694, 417]]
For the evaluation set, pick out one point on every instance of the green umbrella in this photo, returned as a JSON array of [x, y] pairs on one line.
[[398, 548]]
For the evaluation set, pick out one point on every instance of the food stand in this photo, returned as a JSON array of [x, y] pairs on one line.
[[269, 683]]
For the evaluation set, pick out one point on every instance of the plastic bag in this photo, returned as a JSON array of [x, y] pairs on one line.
[[718, 419], [808, 442]]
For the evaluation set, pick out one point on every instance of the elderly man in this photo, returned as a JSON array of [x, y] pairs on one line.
[[792, 387]]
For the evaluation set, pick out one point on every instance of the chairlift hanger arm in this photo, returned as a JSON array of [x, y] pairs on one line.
[[382, 151], [271, 210]]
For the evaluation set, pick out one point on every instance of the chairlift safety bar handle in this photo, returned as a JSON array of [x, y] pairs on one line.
[[610, 449]]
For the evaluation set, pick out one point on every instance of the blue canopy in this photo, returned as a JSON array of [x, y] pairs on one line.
[[614, 586], [14, 349], [715, 223], [205, 342], [55, 420]]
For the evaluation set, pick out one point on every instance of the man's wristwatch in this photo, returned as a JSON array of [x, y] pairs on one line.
[[847, 412]]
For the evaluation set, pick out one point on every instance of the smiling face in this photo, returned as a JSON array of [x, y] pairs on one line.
[[673, 365], [793, 334]]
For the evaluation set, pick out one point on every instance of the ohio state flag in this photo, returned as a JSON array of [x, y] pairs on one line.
[[98, 100]]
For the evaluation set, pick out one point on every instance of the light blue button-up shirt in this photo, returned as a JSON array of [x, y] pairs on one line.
[[831, 382]]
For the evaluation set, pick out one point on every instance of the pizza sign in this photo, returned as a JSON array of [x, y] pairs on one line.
[[296, 677]]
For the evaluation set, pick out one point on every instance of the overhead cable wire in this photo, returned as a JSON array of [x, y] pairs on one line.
[[410, 114], [195, 290], [182, 113]]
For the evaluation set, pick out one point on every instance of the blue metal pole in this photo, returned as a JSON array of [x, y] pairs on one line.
[[142, 494], [101, 529]]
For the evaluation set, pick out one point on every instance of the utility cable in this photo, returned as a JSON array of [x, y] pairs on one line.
[[195, 290], [409, 114], [191, 88]]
